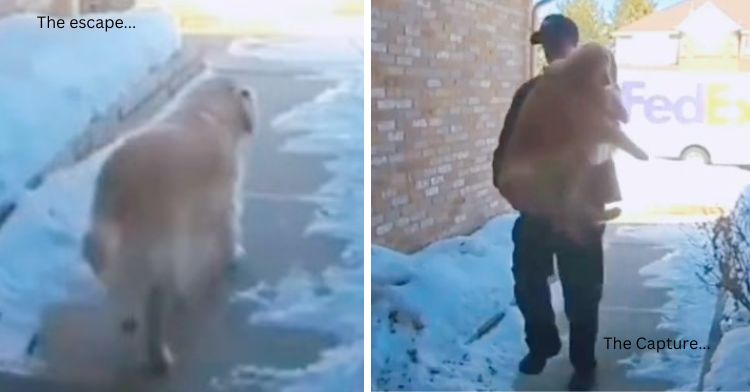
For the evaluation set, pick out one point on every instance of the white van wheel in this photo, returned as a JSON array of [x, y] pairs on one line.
[[696, 154]]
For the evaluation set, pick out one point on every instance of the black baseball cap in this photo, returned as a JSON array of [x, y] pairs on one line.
[[556, 28]]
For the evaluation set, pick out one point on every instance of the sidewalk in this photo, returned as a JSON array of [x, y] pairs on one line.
[[629, 310]]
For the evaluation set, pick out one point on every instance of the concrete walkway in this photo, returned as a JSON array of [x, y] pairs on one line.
[[629, 310], [276, 215]]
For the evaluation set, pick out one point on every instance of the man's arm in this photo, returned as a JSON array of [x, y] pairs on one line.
[[508, 127]]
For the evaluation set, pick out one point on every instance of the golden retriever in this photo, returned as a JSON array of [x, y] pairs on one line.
[[569, 122], [165, 213]]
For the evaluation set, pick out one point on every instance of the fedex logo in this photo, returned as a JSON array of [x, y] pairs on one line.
[[714, 104]]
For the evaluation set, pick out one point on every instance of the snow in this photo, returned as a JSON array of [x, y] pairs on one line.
[[48, 223], [54, 81], [689, 313], [329, 125], [420, 346], [730, 365]]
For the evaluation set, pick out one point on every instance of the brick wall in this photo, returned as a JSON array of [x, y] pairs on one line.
[[443, 75]]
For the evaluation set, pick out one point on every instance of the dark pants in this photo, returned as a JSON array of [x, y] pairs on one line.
[[580, 267]]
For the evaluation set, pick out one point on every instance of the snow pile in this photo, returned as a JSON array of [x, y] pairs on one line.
[[54, 81], [444, 318], [730, 365], [689, 313], [48, 223], [329, 125]]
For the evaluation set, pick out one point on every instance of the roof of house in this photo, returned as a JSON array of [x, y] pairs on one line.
[[669, 18]]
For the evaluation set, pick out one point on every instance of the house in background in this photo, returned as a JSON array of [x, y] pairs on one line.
[[691, 35]]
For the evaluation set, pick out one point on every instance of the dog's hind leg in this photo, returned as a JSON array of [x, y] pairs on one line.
[[238, 249], [159, 358]]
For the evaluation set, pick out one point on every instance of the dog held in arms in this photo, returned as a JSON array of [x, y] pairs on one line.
[[570, 121], [165, 217]]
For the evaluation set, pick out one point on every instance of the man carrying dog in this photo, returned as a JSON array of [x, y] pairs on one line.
[[580, 265]]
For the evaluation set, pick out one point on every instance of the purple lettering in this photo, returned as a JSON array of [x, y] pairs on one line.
[[656, 105], [629, 95], [666, 108], [697, 102]]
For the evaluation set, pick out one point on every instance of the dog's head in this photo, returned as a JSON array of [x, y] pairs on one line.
[[592, 63], [231, 105]]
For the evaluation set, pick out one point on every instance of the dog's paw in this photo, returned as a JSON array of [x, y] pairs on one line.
[[641, 155], [160, 362], [612, 213], [239, 251]]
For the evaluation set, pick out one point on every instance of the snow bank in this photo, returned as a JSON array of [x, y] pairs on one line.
[[689, 313], [689, 310], [329, 125], [53, 82], [730, 366], [50, 223], [444, 318]]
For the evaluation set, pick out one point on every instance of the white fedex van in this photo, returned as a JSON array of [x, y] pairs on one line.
[[689, 115]]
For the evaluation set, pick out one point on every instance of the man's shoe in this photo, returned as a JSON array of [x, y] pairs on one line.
[[532, 364], [582, 380]]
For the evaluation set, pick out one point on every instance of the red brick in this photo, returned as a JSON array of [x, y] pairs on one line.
[[444, 72]]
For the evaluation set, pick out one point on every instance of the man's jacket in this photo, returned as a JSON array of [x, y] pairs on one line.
[[601, 181]]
